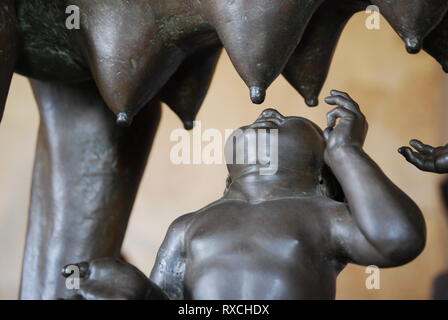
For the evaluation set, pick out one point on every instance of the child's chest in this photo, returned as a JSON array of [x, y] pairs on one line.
[[286, 228]]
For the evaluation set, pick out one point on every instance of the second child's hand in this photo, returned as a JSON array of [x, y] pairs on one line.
[[426, 157]]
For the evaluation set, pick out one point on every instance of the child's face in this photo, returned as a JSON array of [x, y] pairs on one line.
[[299, 143]]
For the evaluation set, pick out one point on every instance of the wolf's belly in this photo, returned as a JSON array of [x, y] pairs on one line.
[[48, 50]]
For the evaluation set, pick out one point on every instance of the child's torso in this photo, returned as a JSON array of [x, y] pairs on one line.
[[278, 249]]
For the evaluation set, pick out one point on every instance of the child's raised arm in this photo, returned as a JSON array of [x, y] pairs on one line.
[[385, 227]]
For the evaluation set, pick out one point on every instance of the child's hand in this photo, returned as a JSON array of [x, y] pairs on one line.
[[425, 157], [351, 129], [109, 278]]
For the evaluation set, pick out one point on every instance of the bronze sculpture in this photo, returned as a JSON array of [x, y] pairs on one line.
[[279, 236], [128, 56], [436, 44], [308, 66], [440, 284], [413, 20], [426, 157]]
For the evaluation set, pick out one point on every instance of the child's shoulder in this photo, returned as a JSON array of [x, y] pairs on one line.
[[186, 219], [322, 204]]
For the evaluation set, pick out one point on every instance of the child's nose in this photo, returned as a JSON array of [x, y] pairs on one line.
[[271, 113]]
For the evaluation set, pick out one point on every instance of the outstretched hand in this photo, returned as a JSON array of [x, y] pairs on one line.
[[426, 157], [111, 279], [351, 130]]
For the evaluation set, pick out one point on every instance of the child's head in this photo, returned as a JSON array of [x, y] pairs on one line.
[[295, 148], [285, 144]]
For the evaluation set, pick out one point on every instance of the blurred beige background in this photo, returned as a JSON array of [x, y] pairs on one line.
[[400, 94]]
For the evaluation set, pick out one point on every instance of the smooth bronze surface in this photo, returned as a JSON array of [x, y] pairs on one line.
[[413, 20], [440, 285], [86, 175], [127, 56], [280, 236], [308, 67], [426, 157], [130, 70], [186, 90], [436, 44], [259, 35], [121, 274]]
